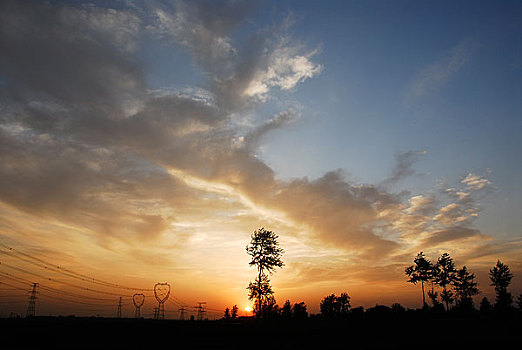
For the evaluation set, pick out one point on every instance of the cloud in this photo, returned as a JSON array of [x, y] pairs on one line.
[[252, 139], [85, 142], [437, 74], [420, 204], [203, 27], [403, 166], [475, 182], [451, 234], [285, 67], [70, 55], [337, 213]]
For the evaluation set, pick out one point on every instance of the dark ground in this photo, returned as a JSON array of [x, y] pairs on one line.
[[411, 332]]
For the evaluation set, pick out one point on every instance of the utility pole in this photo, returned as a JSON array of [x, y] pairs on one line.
[[118, 314], [31, 307]]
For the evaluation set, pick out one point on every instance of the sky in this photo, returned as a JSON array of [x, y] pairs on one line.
[[144, 141]]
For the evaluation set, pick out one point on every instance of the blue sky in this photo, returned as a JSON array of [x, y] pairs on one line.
[[363, 108]]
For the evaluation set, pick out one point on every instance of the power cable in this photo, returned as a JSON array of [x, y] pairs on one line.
[[66, 271], [59, 281]]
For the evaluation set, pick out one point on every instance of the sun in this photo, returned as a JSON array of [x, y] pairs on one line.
[[248, 308]]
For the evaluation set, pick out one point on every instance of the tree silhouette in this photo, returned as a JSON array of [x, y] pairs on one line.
[[519, 302], [299, 311], [444, 273], [260, 291], [226, 316], [465, 288], [344, 303], [286, 310], [270, 309], [329, 306], [398, 308], [334, 307], [500, 278], [421, 271], [433, 295], [266, 257], [234, 312], [485, 305]]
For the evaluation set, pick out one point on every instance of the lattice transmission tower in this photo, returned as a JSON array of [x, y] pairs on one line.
[[182, 312], [118, 313], [31, 307], [138, 299], [201, 310], [161, 292]]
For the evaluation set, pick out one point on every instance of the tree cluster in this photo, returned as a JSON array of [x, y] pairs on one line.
[[457, 285], [231, 314], [272, 311], [333, 306], [442, 282]]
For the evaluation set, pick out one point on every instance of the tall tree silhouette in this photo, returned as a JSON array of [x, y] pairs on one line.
[[421, 271], [444, 273], [226, 315], [266, 257], [465, 288], [500, 278], [234, 312]]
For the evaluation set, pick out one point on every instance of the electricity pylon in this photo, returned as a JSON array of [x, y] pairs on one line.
[[161, 292], [182, 312], [138, 299], [31, 307], [118, 314], [201, 310]]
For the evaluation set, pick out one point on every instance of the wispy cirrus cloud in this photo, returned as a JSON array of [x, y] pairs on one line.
[[438, 73]]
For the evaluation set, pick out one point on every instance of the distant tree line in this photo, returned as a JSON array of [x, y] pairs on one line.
[[459, 285]]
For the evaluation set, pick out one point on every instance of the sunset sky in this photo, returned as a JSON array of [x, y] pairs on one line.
[[144, 141]]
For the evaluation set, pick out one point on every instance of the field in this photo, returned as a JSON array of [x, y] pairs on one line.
[[383, 332]]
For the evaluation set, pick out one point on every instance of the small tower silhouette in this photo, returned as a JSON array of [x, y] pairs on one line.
[[161, 292], [31, 307], [138, 299], [201, 310], [118, 313], [182, 312]]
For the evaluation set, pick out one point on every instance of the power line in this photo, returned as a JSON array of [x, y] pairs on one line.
[[14, 287], [50, 289], [59, 281], [65, 271], [67, 296], [78, 304]]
